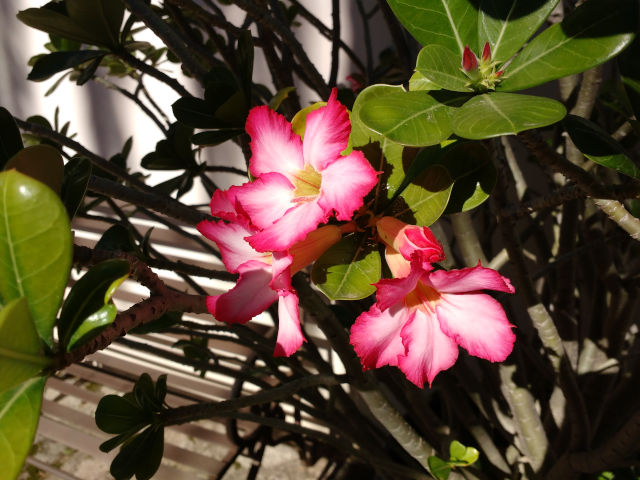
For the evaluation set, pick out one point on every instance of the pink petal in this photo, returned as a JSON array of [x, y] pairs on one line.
[[375, 336], [250, 297], [394, 290], [326, 134], [274, 146], [478, 323], [345, 183], [470, 279], [281, 272], [291, 228], [266, 199], [289, 333], [429, 351], [225, 205], [230, 238], [409, 239]]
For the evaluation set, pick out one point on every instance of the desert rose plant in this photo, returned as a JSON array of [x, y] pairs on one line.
[[468, 248]]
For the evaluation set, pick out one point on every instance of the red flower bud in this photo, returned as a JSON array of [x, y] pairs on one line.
[[469, 59], [486, 52], [499, 72]]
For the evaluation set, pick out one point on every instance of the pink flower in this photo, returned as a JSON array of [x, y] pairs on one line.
[[300, 184], [264, 276], [418, 321]]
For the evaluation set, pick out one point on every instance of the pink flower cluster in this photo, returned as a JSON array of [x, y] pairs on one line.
[[269, 227], [422, 315]]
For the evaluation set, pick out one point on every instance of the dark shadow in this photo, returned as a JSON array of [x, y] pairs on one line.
[[502, 9]]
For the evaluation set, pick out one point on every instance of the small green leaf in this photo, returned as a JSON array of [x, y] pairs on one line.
[[10, 139], [598, 146], [19, 415], [439, 468], [92, 326], [215, 137], [55, 62], [299, 120], [21, 352], [348, 269], [280, 96], [508, 24], [423, 201], [461, 455], [441, 66], [494, 114], [87, 306], [35, 243], [141, 456], [411, 118], [41, 162], [592, 34], [77, 173], [419, 82], [446, 23], [174, 152], [116, 414]]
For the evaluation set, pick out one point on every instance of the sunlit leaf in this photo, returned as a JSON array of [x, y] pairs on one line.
[[441, 66]]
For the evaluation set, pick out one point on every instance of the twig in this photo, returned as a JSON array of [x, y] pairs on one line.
[[335, 42], [153, 72]]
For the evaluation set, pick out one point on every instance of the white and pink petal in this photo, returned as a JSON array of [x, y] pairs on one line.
[[472, 279], [290, 336], [266, 199]]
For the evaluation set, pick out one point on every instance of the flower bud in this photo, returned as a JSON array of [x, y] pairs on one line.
[[410, 239], [469, 60]]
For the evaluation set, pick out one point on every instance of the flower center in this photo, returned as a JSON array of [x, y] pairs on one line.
[[307, 182], [423, 297]]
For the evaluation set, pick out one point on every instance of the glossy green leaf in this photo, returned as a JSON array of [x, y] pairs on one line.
[[441, 66], [92, 326], [299, 120], [35, 245], [423, 201], [19, 416], [439, 468], [508, 24], [77, 173], [118, 414], [10, 138], [419, 82], [88, 303], [21, 352], [598, 146], [41, 162], [55, 62], [592, 34], [473, 174], [411, 118], [450, 24], [494, 114], [141, 456], [462, 455], [348, 269], [214, 137], [360, 133], [95, 22]]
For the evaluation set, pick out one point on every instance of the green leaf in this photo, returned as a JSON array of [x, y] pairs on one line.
[[360, 133], [423, 201], [461, 455], [174, 152], [215, 137], [77, 173], [280, 96], [141, 456], [19, 415], [592, 34], [87, 305], [473, 174], [508, 24], [419, 82], [598, 146], [21, 352], [55, 62], [197, 113], [35, 245], [41, 162], [348, 269], [494, 114], [92, 326], [117, 237], [441, 66], [452, 24], [439, 468], [410, 118], [116, 414], [10, 139], [299, 120]]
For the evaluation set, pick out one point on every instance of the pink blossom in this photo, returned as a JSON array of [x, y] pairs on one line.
[[421, 316], [300, 184], [264, 277]]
